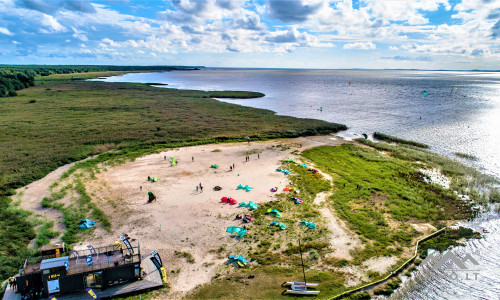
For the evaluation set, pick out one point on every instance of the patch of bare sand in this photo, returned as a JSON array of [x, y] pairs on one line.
[[341, 239], [380, 264]]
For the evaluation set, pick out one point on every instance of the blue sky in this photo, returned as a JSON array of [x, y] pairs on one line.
[[425, 34]]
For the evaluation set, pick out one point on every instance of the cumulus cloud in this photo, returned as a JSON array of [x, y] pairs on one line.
[[289, 36], [4, 30], [360, 45], [296, 11]]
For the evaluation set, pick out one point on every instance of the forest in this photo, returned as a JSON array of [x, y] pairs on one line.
[[16, 77]]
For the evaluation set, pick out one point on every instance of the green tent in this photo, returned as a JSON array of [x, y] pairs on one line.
[[238, 230]]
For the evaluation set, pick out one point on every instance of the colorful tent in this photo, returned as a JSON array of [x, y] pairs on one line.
[[286, 172], [86, 224], [297, 200], [240, 260], [311, 225], [238, 230], [246, 188], [303, 165], [291, 160], [250, 205], [274, 212], [228, 200], [151, 197], [280, 225], [214, 166], [154, 179], [174, 161]]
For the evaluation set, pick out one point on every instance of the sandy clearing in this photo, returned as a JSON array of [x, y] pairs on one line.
[[183, 219], [341, 239]]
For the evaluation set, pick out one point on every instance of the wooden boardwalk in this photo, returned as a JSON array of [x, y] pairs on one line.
[[151, 280]]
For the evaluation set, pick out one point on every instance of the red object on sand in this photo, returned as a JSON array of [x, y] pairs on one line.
[[228, 200]]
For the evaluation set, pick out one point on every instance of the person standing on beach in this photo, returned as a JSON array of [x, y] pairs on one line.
[[197, 189], [233, 165], [201, 188], [258, 155], [192, 158]]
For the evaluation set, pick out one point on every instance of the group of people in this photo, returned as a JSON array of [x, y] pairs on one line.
[[247, 158], [199, 187], [13, 283]]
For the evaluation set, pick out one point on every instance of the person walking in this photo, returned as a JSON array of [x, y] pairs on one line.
[[197, 188], [201, 188], [233, 165]]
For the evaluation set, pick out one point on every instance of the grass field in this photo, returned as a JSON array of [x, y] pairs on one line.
[[65, 118]]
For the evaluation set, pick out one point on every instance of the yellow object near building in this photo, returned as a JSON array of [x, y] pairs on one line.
[[163, 274], [52, 251]]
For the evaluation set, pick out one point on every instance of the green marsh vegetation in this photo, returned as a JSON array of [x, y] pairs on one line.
[[465, 180], [392, 139], [62, 120], [379, 195]]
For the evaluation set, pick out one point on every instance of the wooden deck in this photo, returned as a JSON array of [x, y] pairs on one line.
[[152, 280]]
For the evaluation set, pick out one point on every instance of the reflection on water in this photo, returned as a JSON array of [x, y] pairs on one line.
[[449, 282], [459, 114]]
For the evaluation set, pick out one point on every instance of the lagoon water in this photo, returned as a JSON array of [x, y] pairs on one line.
[[460, 113]]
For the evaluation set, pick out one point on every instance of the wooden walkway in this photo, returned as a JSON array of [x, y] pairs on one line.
[[151, 280]]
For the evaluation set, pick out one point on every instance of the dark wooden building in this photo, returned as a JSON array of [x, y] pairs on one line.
[[97, 269]]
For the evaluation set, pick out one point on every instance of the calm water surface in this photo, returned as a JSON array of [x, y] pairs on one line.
[[461, 113]]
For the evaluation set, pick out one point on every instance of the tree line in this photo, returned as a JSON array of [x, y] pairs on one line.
[[17, 77]]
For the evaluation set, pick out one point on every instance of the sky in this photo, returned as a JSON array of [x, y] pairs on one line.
[[320, 34]]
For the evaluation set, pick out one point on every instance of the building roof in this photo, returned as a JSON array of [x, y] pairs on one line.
[[53, 262]]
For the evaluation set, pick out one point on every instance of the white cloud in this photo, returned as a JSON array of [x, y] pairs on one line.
[[51, 23], [79, 34], [4, 30], [360, 45], [393, 48]]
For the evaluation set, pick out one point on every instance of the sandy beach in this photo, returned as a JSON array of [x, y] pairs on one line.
[[184, 219]]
